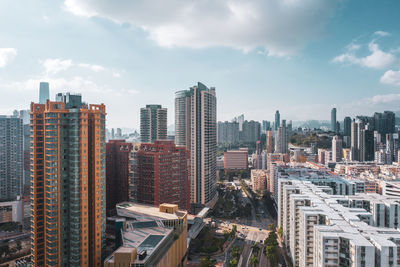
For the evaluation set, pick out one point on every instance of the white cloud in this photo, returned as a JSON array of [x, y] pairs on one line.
[[377, 59], [45, 18], [282, 27], [54, 65], [93, 67], [7, 55], [391, 77], [116, 74], [382, 33]]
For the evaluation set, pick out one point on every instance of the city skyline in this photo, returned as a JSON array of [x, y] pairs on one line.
[[351, 62]]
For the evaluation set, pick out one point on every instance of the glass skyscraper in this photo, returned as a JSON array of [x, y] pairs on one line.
[[44, 92]]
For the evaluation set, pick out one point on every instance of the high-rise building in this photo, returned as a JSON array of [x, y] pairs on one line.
[[240, 120], [333, 120], [44, 92], [354, 141], [153, 123], [196, 129], [266, 126], [336, 149], [281, 140], [347, 126], [68, 186], [161, 172], [117, 173], [277, 120], [11, 157], [228, 133], [250, 132], [270, 142], [367, 151]]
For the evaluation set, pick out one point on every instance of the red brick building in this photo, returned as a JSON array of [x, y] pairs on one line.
[[117, 172], [163, 174]]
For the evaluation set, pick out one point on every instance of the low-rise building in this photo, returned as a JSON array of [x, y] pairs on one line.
[[236, 159], [150, 236]]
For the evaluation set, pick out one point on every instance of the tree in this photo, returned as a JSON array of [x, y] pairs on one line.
[[233, 262], [280, 231], [207, 262], [253, 260], [271, 227]]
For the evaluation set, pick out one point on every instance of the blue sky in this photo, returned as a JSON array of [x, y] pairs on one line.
[[302, 57]]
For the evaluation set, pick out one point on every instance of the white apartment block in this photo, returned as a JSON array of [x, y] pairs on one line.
[[322, 229]]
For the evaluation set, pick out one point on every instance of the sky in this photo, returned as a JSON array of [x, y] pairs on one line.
[[302, 57]]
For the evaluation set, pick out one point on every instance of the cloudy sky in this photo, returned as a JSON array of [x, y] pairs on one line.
[[302, 57]]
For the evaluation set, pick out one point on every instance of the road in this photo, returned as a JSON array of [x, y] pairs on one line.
[[252, 229]]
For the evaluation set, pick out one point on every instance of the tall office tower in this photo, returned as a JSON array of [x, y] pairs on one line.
[[117, 173], [336, 149], [11, 157], [389, 122], [67, 182], [290, 126], [270, 142], [281, 140], [162, 174], [337, 127], [251, 132], [228, 133], [366, 149], [354, 141], [196, 129], [333, 120], [119, 133], [112, 133], [266, 126], [277, 120], [240, 120], [43, 92], [153, 123], [347, 126]]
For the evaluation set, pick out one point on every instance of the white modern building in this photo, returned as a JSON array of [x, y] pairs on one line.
[[322, 229]]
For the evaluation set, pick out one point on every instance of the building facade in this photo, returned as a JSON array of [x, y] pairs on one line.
[[196, 129], [153, 123], [11, 157], [117, 173], [68, 187], [236, 159], [161, 172]]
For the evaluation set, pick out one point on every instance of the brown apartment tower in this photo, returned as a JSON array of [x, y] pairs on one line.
[[117, 173], [162, 171], [67, 182]]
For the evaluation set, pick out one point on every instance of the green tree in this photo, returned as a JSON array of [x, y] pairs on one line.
[[207, 262], [271, 227], [233, 262], [253, 260], [280, 231]]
